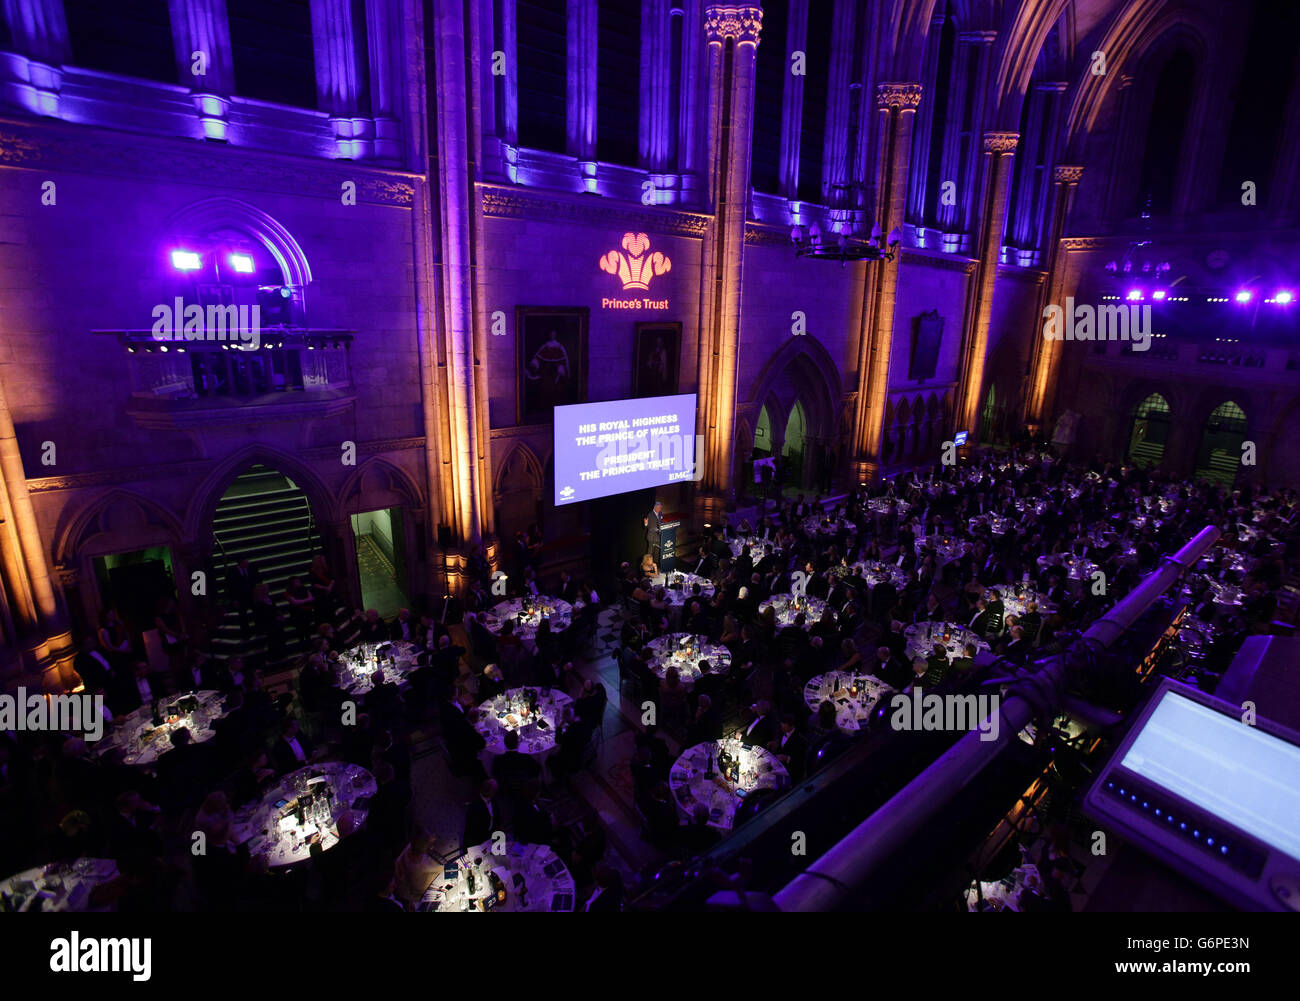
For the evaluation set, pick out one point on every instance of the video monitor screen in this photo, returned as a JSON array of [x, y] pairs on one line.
[[1245, 776], [622, 445]]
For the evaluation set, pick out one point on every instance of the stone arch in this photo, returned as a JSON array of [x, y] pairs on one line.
[[517, 490], [115, 521], [377, 483], [231, 213], [198, 519]]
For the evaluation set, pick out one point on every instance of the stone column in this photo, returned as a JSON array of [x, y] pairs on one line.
[[924, 124], [1044, 353], [204, 60], [896, 105], [46, 646], [694, 88], [838, 158], [40, 33], [999, 148], [949, 217], [655, 138], [384, 41], [968, 186], [731, 109], [580, 121], [453, 366], [792, 101], [338, 76]]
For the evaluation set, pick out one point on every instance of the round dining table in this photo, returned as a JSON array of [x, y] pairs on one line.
[[684, 651], [511, 711], [922, 636], [788, 606], [528, 878], [58, 886], [527, 614], [853, 693], [691, 782], [308, 802], [142, 741], [364, 666]]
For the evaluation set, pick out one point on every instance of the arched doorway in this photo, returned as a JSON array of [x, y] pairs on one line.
[[1219, 453], [266, 518], [1149, 431], [792, 452]]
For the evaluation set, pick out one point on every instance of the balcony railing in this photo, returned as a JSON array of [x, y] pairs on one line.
[[293, 372]]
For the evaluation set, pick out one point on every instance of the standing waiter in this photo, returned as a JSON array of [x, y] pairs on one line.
[[653, 523]]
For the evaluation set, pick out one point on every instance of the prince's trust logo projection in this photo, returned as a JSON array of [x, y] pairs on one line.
[[635, 269]]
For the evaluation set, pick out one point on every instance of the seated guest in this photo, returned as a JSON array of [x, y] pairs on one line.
[[922, 675], [673, 710], [403, 628], [416, 869], [790, 748], [609, 893], [890, 669], [373, 629], [706, 723], [821, 725], [141, 691], [480, 817], [532, 824], [763, 726], [513, 770], [698, 837], [251, 780], [292, 750]]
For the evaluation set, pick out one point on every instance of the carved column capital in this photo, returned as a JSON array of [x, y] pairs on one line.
[[739, 21], [1064, 173], [904, 96], [1001, 142]]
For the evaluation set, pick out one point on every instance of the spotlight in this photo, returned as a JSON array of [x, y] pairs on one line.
[[186, 260], [242, 263], [1158, 294], [1283, 297], [1244, 295], [1134, 294]]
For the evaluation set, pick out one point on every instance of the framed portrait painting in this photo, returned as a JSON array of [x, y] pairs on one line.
[[656, 355], [551, 369]]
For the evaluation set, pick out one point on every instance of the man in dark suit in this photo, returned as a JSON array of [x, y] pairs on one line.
[[763, 727], [92, 666], [240, 581], [568, 588], [403, 628], [653, 523], [979, 622], [291, 750], [997, 610], [480, 817], [140, 690], [790, 748], [513, 770], [373, 628], [532, 824], [462, 740]]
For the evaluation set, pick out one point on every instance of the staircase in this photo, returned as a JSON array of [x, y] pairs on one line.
[[1146, 453], [262, 516]]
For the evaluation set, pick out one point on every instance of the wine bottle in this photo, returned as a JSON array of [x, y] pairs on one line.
[[470, 872]]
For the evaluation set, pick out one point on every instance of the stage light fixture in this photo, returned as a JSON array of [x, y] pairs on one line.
[[1134, 294], [1284, 296], [1245, 295], [1158, 294], [186, 260], [242, 263]]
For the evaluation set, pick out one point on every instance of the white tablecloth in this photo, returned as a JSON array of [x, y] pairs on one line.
[[362, 667], [61, 886], [756, 545], [875, 572], [854, 694], [944, 548], [922, 636], [684, 652], [788, 607], [509, 711], [271, 827], [547, 883], [1003, 895], [142, 743], [690, 784], [560, 613]]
